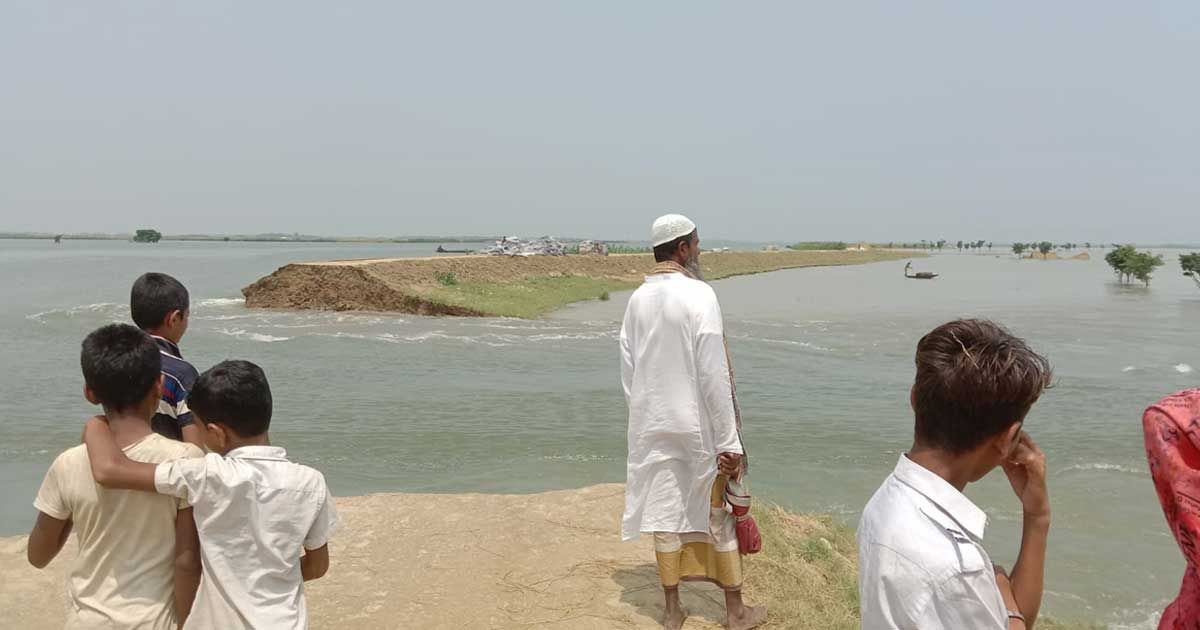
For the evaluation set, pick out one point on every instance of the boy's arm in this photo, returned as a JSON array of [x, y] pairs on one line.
[[187, 563], [314, 563], [110, 467], [1010, 600], [1027, 475], [47, 539]]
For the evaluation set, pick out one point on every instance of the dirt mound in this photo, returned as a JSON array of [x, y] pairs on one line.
[[411, 285]]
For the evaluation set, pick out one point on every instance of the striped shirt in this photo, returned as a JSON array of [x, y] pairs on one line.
[[178, 379]]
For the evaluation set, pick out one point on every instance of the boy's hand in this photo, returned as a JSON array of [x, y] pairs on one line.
[[98, 417], [1026, 472]]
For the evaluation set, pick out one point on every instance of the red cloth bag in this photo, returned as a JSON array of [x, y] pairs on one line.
[[749, 539]]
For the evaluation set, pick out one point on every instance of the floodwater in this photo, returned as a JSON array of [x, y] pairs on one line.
[[384, 402]]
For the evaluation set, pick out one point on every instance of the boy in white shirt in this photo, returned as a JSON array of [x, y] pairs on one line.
[[254, 509], [920, 543], [138, 563]]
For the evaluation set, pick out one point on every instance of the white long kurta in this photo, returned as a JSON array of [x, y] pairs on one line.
[[676, 378]]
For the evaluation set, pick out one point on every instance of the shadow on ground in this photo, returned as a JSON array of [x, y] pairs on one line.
[[642, 591]]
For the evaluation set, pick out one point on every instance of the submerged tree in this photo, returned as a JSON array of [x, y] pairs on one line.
[[1128, 263], [1019, 248], [1045, 247], [147, 236], [1117, 259], [1191, 265], [1143, 264]]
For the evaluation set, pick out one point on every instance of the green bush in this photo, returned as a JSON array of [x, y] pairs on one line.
[[447, 279]]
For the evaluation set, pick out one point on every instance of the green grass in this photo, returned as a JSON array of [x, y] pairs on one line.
[[818, 245], [528, 298], [807, 574]]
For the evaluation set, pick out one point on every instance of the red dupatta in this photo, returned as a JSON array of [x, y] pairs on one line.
[[1172, 429]]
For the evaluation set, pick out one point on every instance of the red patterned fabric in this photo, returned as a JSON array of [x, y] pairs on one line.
[[748, 536], [1173, 447]]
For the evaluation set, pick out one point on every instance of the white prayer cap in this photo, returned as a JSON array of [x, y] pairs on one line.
[[670, 227]]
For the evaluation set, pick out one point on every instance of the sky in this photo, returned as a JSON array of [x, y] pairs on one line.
[[1073, 120]]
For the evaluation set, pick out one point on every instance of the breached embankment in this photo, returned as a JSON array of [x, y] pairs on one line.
[[500, 286]]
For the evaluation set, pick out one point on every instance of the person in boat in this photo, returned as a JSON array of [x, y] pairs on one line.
[[1172, 434], [684, 442]]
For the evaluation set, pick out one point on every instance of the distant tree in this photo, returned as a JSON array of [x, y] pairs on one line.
[[1190, 262], [989, 246], [940, 244], [1019, 248], [1118, 259], [147, 236], [1045, 247], [1088, 245], [1142, 265], [1191, 265], [959, 245]]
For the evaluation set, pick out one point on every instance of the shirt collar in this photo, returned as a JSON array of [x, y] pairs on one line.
[[946, 497], [272, 453], [166, 345]]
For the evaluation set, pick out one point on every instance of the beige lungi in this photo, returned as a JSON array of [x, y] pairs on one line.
[[711, 556]]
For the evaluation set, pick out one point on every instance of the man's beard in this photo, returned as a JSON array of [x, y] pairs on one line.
[[693, 267]]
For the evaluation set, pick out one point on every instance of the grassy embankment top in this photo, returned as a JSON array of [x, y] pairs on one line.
[[501, 286]]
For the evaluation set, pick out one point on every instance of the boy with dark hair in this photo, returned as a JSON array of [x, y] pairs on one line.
[[921, 558], [160, 306], [138, 564], [255, 510]]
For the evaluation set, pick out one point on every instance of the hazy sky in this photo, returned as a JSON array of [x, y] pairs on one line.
[[790, 120]]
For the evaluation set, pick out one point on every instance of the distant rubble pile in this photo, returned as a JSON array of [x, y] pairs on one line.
[[513, 246], [593, 248]]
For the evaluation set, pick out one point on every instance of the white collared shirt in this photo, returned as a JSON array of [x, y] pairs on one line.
[[254, 511], [921, 559]]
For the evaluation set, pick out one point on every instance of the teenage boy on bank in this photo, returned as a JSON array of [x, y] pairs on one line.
[[920, 543]]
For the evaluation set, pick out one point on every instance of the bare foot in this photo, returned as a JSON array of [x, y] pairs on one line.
[[674, 620], [751, 617]]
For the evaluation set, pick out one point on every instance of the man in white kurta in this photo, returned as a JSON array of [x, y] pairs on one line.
[[682, 421]]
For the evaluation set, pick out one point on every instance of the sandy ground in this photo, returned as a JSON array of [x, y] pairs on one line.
[[551, 560]]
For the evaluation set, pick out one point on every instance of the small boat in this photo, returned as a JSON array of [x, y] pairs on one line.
[[920, 275], [443, 250]]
